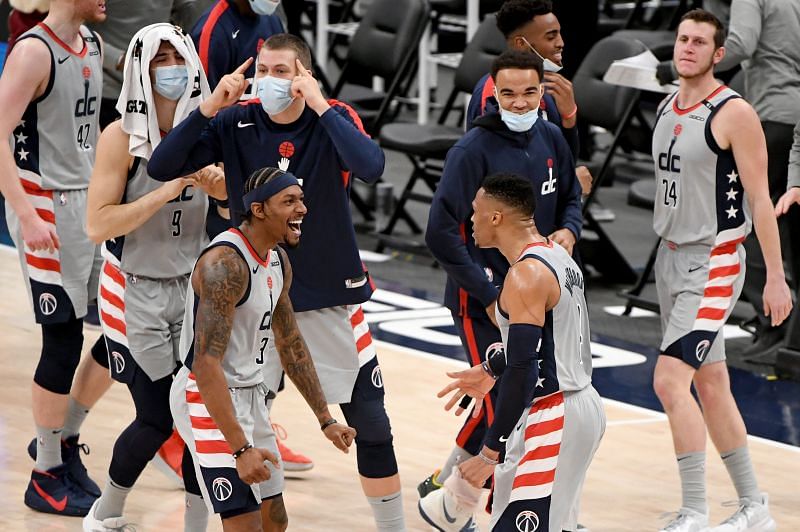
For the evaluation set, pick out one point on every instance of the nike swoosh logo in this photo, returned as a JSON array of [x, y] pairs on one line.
[[695, 269], [57, 505], [255, 269], [235, 34], [62, 59], [724, 456], [240, 124], [447, 515], [503, 439], [390, 498]]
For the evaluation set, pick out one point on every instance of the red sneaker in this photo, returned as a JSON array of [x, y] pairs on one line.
[[169, 458], [292, 461]]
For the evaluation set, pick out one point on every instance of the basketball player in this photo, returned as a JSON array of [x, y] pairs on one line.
[[294, 127], [153, 234], [238, 303], [548, 417], [50, 95], [711, 173]]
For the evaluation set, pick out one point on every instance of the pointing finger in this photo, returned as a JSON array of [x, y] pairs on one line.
[[244, 66]]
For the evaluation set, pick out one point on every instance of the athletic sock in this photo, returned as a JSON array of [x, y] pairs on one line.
[[112, 501], [48, 448], [457, 455], [76, 414], [740, 469], [692, 469], [195, 515], [388, 512]]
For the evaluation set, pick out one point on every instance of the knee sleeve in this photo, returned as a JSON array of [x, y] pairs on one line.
[[61, 353], [134, 448], [374, 450], [100, 352]]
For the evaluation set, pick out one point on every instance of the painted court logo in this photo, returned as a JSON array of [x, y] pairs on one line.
[[48, 303], [702, 350], [222, 488], [527, 521]]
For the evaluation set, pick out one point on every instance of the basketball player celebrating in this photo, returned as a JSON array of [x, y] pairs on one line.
[[711, 173], [293, 126], [50, 95], [548, 418], [238, 303], [153, 234]]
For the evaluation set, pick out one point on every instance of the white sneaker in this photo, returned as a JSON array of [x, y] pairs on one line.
[[687, 521], [110, 524], [440, 511], [752, 516]]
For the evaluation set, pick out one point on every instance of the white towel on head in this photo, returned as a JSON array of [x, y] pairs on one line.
[[140, 121]]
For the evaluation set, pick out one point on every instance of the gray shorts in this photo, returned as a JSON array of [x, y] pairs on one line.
[[547, 456], [65, 280], [141, 320], [221, 487], [697, 291], [340, 344]]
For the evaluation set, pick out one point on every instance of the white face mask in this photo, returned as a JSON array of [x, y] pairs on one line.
[[275, 94], [171, 81], [264, 7], [549, 66], [519, 123]]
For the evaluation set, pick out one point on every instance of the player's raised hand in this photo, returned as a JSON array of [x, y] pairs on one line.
[[38, 234], [228, 91], [340, 435], [474, 382], [251, 467], [305, 86]]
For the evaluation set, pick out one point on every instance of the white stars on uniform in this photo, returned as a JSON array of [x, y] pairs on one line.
[[732, 194], [21, 137], [733, 177], [732, 212], [22, 154], [540, 382]]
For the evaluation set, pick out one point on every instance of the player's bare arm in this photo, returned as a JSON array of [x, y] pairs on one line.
[[298, 365], [106, 217], [25, 78], [737, 126], [220, 281]]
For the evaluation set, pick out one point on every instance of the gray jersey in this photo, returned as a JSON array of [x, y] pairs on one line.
[[565, 354], [168, 244], [55, 140], [699, 195], [252, 318]]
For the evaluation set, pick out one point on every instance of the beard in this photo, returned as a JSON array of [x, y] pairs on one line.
[[702, 72]]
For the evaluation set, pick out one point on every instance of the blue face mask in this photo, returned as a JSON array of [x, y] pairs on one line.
[[519, 123], [275, 94], [264, 7], [171, 81]]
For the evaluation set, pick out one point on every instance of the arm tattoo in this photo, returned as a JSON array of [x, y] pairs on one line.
[[293, 351], [222, 282]]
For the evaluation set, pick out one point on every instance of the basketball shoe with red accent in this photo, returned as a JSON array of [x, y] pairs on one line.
[[169, 459], [55, 492], [71, 451], [292, 461]]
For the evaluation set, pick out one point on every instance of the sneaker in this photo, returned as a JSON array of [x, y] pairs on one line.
[[686, 520], [109, 524], [429, 484], [55, 492], [752, 516], [600, 213], [169, 459], [71, 456], [434, 510], [292, 462]]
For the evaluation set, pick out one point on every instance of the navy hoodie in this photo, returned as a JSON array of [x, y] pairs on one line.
[[540, 154], [323, 151]]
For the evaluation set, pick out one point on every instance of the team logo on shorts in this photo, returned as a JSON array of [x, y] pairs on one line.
[[222, 488], [377, 377], [702, 350], [47, 303], [119, 361], [493, 349], [527, 521]]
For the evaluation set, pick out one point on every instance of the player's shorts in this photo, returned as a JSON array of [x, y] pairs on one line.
[[538, 485], [697, 290], [64, 281], [141, 319], [340, 343], [221, 487]]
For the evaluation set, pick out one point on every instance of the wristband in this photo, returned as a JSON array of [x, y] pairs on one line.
[[327, 424], [241, 451], [224, 203], [488, 369], [572, 114], [486, 459]]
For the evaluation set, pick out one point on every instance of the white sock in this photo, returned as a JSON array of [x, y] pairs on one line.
[[388, 512], [195, 515]]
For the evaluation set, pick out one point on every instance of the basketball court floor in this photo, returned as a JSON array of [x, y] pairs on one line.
[[632, 481]]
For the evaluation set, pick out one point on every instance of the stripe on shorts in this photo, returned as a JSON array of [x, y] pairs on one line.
[[112, 301], [724, 268], [210, 446], [43, 266], [361, 335]]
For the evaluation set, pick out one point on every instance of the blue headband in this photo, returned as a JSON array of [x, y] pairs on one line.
[[263, 192]]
